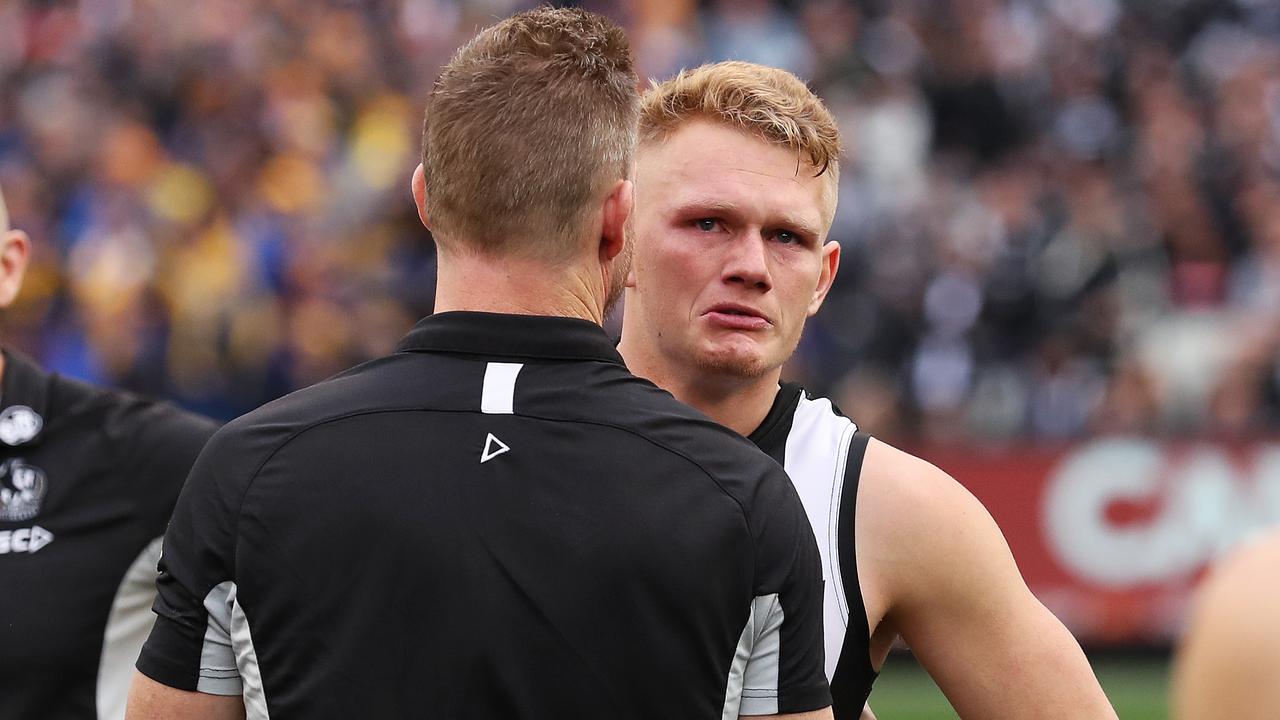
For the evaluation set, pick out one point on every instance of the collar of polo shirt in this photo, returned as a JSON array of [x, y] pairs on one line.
[[523, 336]]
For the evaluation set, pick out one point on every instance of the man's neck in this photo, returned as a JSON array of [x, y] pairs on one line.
[[738, 403], [517, 287]]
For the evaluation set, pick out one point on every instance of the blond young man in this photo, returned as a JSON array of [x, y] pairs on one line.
[[497, 520], [735, 192], [1228, 665]]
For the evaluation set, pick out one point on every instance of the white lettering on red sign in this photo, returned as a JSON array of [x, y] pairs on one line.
[[1204, 504]]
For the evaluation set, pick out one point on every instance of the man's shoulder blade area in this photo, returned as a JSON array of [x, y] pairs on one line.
[[735, 463]]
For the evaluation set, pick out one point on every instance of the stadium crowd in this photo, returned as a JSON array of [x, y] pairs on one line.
[[1057, 215]]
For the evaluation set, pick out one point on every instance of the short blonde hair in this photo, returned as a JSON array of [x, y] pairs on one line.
[[4, 213], [769, 103], [527, 125]]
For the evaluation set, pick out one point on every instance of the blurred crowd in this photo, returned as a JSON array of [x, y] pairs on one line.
[[1057, 216]]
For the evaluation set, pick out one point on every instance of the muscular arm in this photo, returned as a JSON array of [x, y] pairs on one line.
[[1230, 656], [957, 598], [149, 700]]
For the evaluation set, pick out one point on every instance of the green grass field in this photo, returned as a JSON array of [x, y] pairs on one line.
[[1137, 687]]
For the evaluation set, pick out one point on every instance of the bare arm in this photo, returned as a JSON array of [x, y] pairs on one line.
[[149, 700], [824, 714], [958, 599], [1230, 656]]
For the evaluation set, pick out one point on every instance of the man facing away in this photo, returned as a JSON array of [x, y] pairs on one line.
[[735, 193], [88, 477], [498, 520]]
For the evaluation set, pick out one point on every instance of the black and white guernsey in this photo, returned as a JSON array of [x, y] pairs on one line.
[[822, 452]]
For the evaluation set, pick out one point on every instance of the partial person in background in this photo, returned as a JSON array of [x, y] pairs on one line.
[[736, 183], [1228, 666], [88, 478], [497, 520]]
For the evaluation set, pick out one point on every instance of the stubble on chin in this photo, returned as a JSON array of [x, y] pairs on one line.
[[744, 364], [737, 364]]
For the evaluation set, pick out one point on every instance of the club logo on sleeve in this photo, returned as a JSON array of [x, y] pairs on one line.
[[19, 424], [22, 488]]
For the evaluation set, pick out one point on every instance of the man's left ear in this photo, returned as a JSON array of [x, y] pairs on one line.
[[830, 266], [419, 187], [15, 251], [618, 205]]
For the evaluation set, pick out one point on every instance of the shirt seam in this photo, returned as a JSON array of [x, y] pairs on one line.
[[379, 411]]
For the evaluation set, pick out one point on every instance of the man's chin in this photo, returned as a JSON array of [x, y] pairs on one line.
[[734, 363]]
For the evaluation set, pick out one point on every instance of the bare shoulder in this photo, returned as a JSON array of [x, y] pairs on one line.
[[1238, 598], [1250, 574], [1230, 654], [919, 517], [951, 589]]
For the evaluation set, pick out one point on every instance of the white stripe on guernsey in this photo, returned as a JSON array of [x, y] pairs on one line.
[[499, 388], [218, 672], [749, 670], [128, 625], [255, 696], [816, 455]]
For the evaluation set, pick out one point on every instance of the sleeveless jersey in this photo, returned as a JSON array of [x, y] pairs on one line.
[[822, 452]]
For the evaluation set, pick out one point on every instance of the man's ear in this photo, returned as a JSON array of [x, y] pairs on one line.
[[830, 266], [616, 212], [15, 251], [419, 185]]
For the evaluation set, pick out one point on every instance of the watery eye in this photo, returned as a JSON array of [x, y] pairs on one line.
[[706, 224], [787, 238]]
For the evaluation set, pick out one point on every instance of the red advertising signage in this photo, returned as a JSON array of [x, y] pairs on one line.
[[1113, 534]]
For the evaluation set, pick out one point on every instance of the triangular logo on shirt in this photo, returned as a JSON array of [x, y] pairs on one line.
[[493, 447]]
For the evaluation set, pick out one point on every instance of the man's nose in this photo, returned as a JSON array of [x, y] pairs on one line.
[[748, 262]]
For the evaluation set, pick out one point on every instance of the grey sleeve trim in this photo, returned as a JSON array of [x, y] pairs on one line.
[[752, 688], [218, 672], [255, 696], [760, 680]]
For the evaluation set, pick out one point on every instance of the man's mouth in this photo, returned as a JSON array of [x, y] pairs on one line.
[[736, 317]]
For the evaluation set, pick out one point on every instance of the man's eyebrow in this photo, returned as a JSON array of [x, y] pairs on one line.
[[715, 206], [705, 204], [804, 226]]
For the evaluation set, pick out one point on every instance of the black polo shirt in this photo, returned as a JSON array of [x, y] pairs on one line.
[[498, 520], [87, 480]]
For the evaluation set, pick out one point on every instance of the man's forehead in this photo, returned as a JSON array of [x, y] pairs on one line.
[[730, 185]]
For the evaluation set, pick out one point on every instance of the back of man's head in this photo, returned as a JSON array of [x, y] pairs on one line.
[[771, 104], [528, 127]]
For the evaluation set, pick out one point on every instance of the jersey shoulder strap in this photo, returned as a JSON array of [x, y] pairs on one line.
[[854, 674]]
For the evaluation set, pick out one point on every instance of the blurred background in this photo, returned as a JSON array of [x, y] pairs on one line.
[[1061, 273]]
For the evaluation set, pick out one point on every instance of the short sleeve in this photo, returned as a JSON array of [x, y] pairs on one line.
[[163, 445], [785, 672], [190, 645]]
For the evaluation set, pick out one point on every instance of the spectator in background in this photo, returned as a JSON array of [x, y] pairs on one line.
[[1042, 197], [88, 479]]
